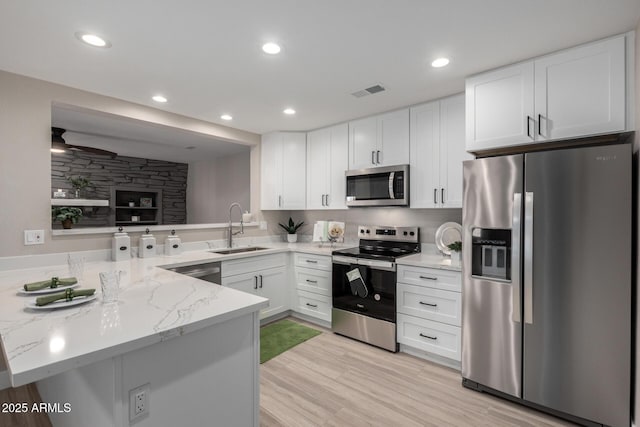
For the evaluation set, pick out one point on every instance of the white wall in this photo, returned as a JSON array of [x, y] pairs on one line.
[[25, 160], [212, 186]]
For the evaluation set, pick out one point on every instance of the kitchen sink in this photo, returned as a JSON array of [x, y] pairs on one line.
[[238, 250]]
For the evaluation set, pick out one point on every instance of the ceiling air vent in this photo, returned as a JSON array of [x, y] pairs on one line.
[[368, 91]]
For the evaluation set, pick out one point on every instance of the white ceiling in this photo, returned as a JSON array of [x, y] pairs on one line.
[[135, 138], [205, 56]]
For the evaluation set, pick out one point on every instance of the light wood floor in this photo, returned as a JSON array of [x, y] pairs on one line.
[[335, 381], [25, 394]]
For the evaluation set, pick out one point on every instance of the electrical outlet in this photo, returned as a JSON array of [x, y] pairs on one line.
[[33, 237], [139, 402]]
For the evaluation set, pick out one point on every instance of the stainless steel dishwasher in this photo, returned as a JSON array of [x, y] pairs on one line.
[[209, 271]]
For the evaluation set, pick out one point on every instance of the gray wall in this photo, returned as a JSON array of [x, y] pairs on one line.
[[105, 172], [427, 219], [214, 184]]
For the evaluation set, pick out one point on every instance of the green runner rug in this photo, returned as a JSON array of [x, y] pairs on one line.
[[282, 335]]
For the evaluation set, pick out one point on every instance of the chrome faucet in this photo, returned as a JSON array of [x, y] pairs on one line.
[[231, 233]]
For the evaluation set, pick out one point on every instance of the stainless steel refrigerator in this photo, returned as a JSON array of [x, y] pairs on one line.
[[547, 264]]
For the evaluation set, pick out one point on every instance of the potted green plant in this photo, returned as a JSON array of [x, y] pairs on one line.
[[78, 183], [66, 215], [456, 249], [292, 229]]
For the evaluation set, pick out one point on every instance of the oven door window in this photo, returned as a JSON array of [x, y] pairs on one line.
[[365, 290]]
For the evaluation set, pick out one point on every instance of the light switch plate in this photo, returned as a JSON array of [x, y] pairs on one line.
[[33, 237]]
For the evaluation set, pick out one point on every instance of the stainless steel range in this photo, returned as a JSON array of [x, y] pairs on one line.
[[364, 284]]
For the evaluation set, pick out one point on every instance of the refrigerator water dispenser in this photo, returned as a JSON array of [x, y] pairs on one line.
[[491, 253]]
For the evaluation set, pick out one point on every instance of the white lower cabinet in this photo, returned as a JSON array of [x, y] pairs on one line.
[[429, 307], [433, 337], [312, 294], [314, 305], [265, 276]]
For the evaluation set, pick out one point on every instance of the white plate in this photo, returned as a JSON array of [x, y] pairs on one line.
[[446, 234], [60, 303], [48, 290]]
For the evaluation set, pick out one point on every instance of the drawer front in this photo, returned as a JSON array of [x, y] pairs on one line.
[[431, 304], [251, 264], [316, 281], [433, 337], [314, 305], [319, 262], [431, 277]]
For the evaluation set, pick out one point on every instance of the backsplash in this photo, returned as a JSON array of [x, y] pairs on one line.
[[427, 219]]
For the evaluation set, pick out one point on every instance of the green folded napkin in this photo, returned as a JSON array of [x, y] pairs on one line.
[[54, 282], [68, 294]]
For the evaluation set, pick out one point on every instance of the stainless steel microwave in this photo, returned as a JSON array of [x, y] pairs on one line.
[[384, 186]]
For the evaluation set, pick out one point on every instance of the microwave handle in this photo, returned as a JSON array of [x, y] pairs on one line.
[[391, 180]]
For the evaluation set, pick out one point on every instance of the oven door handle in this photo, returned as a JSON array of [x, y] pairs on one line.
[[344, 260], [377, 265]]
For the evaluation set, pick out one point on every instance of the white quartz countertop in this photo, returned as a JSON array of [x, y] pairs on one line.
[[428, 259], [154, 305]]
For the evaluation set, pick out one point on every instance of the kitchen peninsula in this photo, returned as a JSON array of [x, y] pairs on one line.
[[176, 335]]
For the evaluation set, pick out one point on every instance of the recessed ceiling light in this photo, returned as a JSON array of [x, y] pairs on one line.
[[159, 98], [271, 48], [93, 40], [289, 111], [226, 117], [440, 62]]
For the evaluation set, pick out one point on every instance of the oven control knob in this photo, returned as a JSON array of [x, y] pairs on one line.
[[412, 233], [362, 231], [405, 233], [368, 231]]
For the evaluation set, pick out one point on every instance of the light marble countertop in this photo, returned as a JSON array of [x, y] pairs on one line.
[[430, 258], [154, 305]]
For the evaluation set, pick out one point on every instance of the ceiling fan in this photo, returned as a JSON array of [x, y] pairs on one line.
[[57, 142]]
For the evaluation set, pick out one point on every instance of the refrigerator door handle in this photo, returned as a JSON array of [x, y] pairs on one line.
[[516, 230], [528, 258]]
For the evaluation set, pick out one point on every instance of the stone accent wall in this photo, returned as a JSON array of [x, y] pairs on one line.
[[121, 171]]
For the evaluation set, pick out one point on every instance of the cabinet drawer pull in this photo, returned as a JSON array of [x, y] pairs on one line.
[[428, 303], [312, 305], [312, 281], [312, 261], [428, 278], [428, 336]]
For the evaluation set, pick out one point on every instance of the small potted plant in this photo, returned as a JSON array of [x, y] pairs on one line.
[[292, 229], [78, 183], [456, 249], [66, 215]]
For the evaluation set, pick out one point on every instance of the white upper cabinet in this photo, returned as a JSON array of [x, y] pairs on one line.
[[382, 140], [581, 91], [499, 107], [573, 93], [283, 171], [437, 153], [327, 160]]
